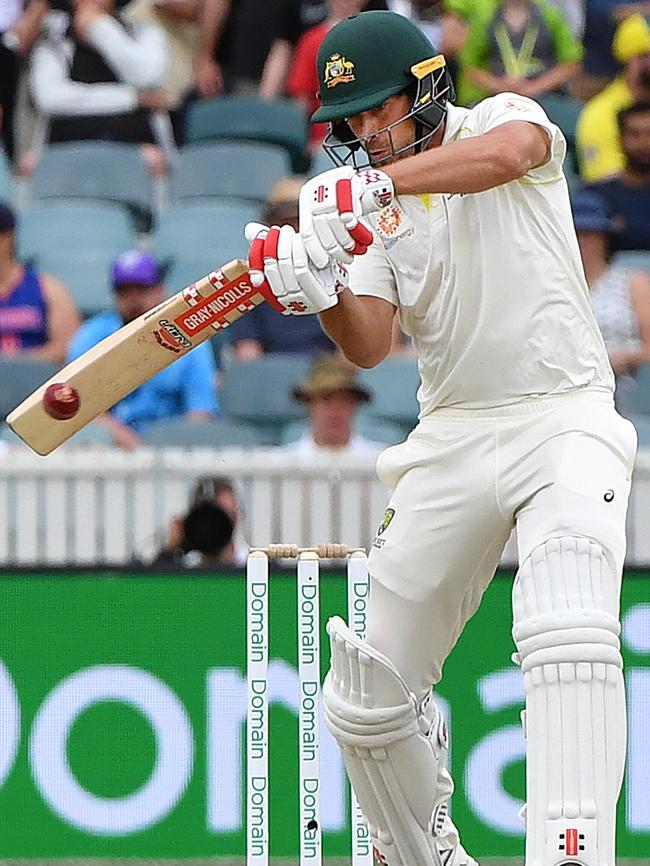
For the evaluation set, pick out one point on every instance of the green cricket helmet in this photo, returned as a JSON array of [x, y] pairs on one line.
[[366, 59]]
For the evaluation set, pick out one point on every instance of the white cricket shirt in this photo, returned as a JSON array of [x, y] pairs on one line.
[[489, 286]]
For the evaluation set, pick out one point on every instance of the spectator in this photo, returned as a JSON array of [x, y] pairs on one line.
[[184, 389], [180, 20], [332, 396], [234, 54], [274, 80], [202, 538], [627, 195], [20, 24], [98, 76], [620, 298], [601, 19], [302, 84], [222, 491], [598, 142], [37, 315], [523, 46], [264, 329]]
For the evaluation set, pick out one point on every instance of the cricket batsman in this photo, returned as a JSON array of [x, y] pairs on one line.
[[461, 226]]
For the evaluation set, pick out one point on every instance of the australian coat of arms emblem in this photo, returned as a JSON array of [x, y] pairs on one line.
[[338, 70]]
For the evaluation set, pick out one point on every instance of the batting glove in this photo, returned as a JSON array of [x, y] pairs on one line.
[[278, 258], [330, 207]]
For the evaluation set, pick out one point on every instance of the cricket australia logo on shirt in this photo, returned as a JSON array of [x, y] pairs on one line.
[[389, 223], [383, 526]]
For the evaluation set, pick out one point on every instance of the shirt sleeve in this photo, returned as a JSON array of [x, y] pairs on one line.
[[199, 380], [140, 57], [371, 274], [54, 92], [506, 107]]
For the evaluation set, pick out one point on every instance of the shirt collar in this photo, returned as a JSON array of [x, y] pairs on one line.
[[455, 118]]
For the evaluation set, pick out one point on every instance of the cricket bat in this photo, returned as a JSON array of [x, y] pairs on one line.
[[119, 364]]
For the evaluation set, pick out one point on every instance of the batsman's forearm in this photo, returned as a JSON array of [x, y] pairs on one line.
[[471, 165], [353, 325]]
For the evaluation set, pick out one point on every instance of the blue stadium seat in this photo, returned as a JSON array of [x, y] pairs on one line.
[[213, 230], [240, 170], [394, 385], [74, 226], [20, 375], [85, 274], [637, 260], [564, 112], [6, 188], [279, 122], [220, 433], [99, 170], [259, 392]]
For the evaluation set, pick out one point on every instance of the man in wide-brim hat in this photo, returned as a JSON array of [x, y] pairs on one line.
[[332, 394]]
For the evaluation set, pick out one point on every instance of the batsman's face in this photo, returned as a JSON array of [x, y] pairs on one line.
[[378, 142], [134, 300]]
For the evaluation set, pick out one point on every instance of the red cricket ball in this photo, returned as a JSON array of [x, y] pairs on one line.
[[61, 401]]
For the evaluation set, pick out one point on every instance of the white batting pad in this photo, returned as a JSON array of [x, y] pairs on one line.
[[394, 748], [566, 628]]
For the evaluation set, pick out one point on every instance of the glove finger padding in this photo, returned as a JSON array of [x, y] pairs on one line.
[[285, 259], [278, 257]]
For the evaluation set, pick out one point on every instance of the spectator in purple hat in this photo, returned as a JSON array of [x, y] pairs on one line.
[[186, 389], [37, 315]]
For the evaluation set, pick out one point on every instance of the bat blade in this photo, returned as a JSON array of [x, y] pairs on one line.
[[119, 364]]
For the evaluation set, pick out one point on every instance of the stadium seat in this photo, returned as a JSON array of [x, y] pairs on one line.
[[220, 433], [371, 428], [394, 385], [103, 170], [563, 111], [213, 231], [85, 274], [74, 226], [20, 376], [637, 260], [259, 392], [279, 122], [6, 190], [239, 170]]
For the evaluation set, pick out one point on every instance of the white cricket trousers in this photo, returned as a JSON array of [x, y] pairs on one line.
[[555, 466]]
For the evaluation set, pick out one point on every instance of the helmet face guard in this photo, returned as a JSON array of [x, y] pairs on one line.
[[432, 89]]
